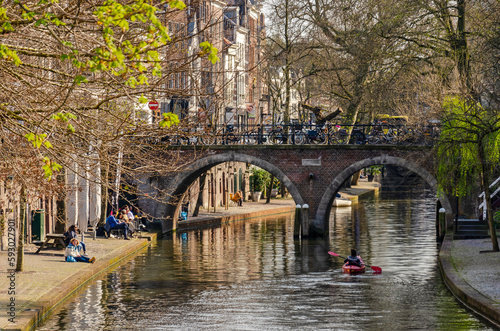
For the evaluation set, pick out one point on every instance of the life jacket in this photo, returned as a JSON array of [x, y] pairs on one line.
[[353, 260]]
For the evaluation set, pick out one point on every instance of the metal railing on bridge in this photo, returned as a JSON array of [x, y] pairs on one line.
[[304, 134]]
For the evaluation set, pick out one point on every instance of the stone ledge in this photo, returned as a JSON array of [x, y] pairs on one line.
[[462, 290], [36, 311]]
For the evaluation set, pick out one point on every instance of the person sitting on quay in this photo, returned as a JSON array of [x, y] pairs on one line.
[[73, 232], [113, 223], [72, 253]]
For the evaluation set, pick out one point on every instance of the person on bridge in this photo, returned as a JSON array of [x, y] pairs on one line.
[[353, 259]]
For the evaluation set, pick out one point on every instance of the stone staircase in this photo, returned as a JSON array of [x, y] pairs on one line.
[[471, 229]]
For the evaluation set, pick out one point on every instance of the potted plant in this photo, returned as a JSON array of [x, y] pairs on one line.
[[372, 171], [258, 183]]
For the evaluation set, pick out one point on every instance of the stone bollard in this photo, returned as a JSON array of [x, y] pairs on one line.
[[305, 220], [442, 222], [298, 219]]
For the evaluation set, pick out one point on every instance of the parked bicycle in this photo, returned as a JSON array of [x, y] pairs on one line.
[[277, 136], [318, 135]]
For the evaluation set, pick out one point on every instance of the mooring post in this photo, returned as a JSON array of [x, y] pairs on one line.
[[442, 222], [305, 220], [298, 220]]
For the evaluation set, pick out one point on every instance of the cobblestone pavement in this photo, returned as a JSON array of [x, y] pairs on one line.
[[46, 279], [472, 272]]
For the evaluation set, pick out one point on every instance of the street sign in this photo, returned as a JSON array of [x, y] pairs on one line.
[[153, 105]]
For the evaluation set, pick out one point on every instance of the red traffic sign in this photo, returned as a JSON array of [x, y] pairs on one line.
[[153, 105]]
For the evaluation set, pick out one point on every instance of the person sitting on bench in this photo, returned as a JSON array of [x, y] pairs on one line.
[[112, 223]]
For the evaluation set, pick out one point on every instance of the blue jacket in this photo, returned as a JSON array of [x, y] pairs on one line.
[[111, 222]]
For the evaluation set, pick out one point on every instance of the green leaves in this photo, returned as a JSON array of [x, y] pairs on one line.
[[64, 117], [467, 130], [40, 140], [37, 140], [80, 79], [169, 119], [177, 4], [49, 167], [9, 55], [123, 57], [143, 99], [208, 48]]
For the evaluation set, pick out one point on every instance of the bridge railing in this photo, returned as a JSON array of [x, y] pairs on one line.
[[299, 134], [495, 199]]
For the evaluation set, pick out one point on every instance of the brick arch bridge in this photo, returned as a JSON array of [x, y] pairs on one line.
[[312, 174]]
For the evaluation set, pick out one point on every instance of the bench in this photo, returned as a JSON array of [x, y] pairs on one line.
[[51, 240], [116, 232]]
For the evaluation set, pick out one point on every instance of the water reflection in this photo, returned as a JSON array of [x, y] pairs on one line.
[[255, 276]]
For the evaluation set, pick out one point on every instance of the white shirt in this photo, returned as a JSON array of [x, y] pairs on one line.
[[130, 216]]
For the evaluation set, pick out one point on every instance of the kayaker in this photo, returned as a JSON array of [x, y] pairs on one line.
[[353, 259]]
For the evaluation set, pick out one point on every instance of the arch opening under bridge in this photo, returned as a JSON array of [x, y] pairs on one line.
[[320, 223], [180, 184]]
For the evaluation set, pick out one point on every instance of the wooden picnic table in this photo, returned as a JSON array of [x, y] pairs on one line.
[[51, 240]]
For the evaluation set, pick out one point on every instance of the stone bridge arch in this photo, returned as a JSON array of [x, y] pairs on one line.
[[320, 224], [179, 184]]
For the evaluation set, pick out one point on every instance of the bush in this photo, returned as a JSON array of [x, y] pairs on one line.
[[374, 170], [259, 179]]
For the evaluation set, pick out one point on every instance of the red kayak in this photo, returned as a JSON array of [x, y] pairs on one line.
[[353, 269]]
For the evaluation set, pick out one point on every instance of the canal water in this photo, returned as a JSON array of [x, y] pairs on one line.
[[254, 276]]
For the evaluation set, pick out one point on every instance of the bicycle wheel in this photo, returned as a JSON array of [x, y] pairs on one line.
[[275, 139], [208, 139], [250, 139], [300, 138], [230, 139]]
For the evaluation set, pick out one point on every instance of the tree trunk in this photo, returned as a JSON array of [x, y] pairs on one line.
[[288, 51], [60, 226], [269, 191], [104, 194], [355, 178], [485, 183], [199, 200], [459, 44], [22, 224]]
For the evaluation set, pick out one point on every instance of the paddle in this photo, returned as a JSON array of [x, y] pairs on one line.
[[376, 270]]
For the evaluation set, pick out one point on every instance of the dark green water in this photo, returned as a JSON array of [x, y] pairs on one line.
[[255, 276]]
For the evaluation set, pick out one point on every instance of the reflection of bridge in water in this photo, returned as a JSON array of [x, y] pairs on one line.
[[312, 174]]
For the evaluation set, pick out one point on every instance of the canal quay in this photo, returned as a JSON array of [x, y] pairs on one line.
[[469, 270]]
